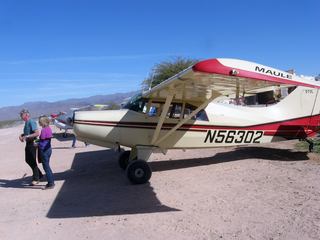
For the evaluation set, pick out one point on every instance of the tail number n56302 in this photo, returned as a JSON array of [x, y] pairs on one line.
[[233, 136]]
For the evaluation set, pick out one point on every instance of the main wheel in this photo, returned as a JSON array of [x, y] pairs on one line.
[[124, 159], [139, 172]]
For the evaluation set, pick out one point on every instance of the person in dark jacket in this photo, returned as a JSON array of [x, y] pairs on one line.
[[30, 133]]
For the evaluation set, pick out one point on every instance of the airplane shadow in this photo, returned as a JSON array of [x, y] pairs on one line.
[[239, 153], [96, 186]]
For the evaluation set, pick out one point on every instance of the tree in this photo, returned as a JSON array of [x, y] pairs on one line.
[[166, 69]]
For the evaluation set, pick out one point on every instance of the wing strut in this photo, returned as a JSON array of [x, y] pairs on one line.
[[162, 117], [156, 142]]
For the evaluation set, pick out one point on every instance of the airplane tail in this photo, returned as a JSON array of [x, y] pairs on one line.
[[302, 109]]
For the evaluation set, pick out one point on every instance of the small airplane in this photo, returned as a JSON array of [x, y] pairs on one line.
[[63, 120], [214, 103]]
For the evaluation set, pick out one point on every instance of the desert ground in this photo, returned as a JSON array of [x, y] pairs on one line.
[[252, 192]]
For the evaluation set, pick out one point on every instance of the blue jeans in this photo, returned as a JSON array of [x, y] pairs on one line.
[[45, 158]]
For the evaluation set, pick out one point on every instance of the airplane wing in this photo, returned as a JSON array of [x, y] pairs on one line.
[[208, 80], [224, 77]]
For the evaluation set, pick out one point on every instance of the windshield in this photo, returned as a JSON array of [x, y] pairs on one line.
[[136, 103], [175, 111]]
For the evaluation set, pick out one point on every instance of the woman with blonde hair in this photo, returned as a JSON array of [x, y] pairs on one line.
[[45, 149]]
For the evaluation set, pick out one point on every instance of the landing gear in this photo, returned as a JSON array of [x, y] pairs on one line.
[[139, 172], [135, 163], [124, 159]]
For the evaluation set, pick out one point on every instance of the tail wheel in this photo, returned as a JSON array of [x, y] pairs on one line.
[[139, 172], [124, 159]]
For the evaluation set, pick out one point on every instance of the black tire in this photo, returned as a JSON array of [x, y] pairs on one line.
[[139, 172], [124, 159]]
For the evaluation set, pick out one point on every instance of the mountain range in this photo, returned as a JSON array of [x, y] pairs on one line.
[[39, 108]]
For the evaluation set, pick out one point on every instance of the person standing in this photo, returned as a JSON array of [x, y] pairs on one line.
[[45, 150], [30, 133], [74, 140]]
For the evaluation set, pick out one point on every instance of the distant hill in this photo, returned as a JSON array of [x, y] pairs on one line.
[[39, 108]]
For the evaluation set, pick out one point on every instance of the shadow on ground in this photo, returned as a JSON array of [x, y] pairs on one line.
[[239, 153], [96, 186], [63, 137]]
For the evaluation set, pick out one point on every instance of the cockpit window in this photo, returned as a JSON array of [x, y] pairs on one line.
[[201, 115], [139, 104], [176, 112], [136, 103]]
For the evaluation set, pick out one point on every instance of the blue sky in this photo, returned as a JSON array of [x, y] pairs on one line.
[[53, 50]]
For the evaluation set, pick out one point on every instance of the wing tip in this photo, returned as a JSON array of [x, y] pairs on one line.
[[211, 66]]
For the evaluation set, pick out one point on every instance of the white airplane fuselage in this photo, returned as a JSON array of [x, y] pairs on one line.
[[295, 117]]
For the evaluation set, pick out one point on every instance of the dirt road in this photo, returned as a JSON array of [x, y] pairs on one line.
[[265, 192]]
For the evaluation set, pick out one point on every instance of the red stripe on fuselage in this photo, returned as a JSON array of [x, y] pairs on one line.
[[298, 128]]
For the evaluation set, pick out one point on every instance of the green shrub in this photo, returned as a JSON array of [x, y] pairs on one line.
[[304, 146]]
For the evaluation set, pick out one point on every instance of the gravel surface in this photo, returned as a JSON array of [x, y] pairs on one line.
[[253, 192]]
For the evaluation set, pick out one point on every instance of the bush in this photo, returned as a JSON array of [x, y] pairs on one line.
[[166, 69], [304, 146]]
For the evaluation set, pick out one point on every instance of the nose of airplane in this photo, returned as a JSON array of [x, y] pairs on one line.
[[97, 127]]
